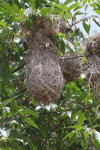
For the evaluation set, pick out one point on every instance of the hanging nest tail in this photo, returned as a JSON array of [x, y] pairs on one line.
[[71, 66], [44, 78], [92, 47]]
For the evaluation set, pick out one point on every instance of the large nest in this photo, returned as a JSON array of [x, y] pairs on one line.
[[44, 78], [71, 66], [92, 47]]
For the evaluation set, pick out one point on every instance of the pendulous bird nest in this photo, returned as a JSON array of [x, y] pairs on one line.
[[44, 78], [92, 46], [71, 66]]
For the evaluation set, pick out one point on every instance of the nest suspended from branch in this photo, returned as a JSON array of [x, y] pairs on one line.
[[92, 47], [44, 78], [71, 66]]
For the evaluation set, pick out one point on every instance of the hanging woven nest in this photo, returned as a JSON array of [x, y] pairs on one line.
[[71, 66], [44, 78], [92, 47]]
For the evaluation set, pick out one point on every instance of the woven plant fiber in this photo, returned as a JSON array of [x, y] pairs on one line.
[[92, 46], [93, 70], [44, 78], [71, 66]]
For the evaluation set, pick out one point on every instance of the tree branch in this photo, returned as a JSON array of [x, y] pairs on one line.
[[19, 67], [70, 109]]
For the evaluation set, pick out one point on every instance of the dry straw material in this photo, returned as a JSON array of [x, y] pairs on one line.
[[93, 70], [92, 53], [92, 46], [44, 78], [71, 66]]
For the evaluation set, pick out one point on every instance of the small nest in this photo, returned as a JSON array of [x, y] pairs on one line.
[[92, 47], [71, 67], [93, 71], [44, 78]]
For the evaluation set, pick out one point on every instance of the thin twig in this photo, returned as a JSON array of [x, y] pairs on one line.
[[70, 109], [19, 67]]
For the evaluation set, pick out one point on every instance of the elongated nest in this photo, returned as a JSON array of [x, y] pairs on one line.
[[92, 47], [71, 66], [44, 78]]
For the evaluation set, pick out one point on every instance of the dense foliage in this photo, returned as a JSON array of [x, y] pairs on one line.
[[72, 121]]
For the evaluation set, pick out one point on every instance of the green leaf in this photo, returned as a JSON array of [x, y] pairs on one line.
[[81, 98], [86, 27], [84, 2], [32, 3], [21, 12], [74, 113], [68, 2], [96, 143], [71, 133], [73, 6], [27, 120], [17, 19], [97, 5], [14, 144], [83, 140], [4, 103], [92, 5], [59, 6], [43, 12], [13, 106], [81, 118], [7, 6], [29, 112], [97, 11], [2, 23], [71, 140], [78, 13], [67, 15], [30, 122], [15, 8], [79, 128], [98, 1], [56, 11], [78, 7], [96, 22]]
